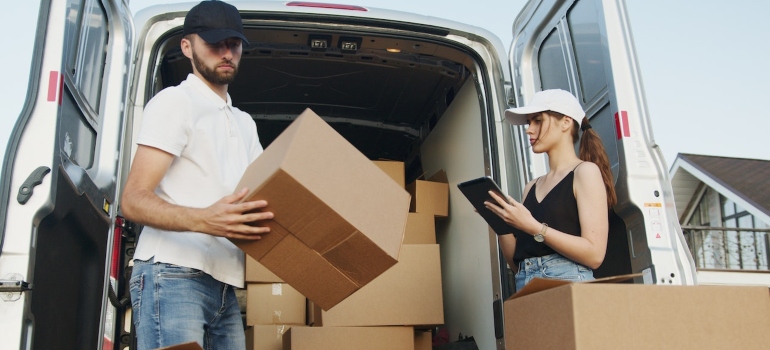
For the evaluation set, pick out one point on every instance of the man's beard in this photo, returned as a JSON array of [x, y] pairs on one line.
[[212, 75]]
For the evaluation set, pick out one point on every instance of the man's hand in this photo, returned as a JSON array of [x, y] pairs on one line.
[[230, 219]]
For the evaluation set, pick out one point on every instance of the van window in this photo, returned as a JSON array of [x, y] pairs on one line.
[[86, 40], [92, 54], [552, 55], [583, 24]]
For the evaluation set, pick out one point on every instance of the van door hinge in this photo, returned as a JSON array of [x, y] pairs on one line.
[[12, 286]]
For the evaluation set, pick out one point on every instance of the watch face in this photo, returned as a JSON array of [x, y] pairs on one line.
[[539, 238]]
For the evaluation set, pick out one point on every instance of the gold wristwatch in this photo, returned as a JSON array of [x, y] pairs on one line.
[[540, 236]]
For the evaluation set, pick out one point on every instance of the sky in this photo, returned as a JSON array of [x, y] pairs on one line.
[[703, 65]]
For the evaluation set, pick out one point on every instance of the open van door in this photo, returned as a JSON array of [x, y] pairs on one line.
[[585, 47], [59, 247]]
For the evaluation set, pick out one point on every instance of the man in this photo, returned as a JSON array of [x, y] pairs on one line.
[[193, 148]]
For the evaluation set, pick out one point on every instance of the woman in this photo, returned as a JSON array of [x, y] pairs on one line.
[[560, 229]]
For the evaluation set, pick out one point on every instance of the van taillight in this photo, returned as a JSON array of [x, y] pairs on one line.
[[326, 6]]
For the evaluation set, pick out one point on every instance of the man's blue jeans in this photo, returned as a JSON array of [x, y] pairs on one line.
[[175, 304]]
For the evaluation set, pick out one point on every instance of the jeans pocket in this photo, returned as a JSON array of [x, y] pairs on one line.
[[563, 269], [177, 271]]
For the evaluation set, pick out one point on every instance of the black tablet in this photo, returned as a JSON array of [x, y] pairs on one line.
[[477, 192]]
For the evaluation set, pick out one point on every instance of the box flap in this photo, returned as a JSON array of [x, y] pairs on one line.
[[540, 284], [186, 346], [439, 176]]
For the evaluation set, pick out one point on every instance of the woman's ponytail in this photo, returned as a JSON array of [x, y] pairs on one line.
[[592, 150]]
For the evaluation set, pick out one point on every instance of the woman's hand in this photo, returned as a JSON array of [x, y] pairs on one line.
[[513, 213]]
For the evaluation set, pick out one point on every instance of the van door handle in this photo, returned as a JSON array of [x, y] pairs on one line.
[[34, 179]]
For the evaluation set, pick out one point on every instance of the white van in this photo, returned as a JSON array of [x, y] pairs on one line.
[[400, 86]]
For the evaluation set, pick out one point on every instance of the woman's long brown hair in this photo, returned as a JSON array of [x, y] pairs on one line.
[[592, 150]]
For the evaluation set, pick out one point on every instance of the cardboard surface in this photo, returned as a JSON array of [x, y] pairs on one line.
[[423, 340], [323, 241], [420, 229], [267, 337], [394, 169], [408, 294], [429, 197], [258, 273], [635, 316], [349, 338], [186, 346], [274, 304]]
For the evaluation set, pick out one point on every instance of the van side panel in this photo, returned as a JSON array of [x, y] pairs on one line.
[[456, 145]]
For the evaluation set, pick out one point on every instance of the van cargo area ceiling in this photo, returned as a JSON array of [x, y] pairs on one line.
[[375, 97]]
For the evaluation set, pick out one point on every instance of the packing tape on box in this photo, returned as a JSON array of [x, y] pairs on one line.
[[279, 332], [276, 316], [277, 289]]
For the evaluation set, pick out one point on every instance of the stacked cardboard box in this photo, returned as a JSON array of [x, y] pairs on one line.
[[407, 295], [271, 310]]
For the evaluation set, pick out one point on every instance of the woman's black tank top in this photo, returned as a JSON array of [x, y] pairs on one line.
[[558, 209]]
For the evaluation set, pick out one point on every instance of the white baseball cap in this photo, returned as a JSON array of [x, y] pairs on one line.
[[555, 100]]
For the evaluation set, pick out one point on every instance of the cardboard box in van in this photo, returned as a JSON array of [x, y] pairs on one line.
[[258, 273], [349, 338], [552, 314], [409, 294], [266, 337], [274, 304], [420, 229], [394, 169], [339, 220], [430, 196]]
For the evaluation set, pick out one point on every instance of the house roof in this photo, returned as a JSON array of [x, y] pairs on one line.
[[745, 181]]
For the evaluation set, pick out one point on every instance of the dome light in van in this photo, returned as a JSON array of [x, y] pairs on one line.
[[393, 50], [319, 42], [326, 6]]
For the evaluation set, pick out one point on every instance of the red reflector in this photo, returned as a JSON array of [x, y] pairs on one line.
[[326, 6], [622, 129], [53, 86], [116, 252]]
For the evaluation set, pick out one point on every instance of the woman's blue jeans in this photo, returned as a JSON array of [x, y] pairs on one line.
[[174, 304], [551, 266]]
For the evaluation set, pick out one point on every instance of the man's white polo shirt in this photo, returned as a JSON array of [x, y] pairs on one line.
[[213, 143]]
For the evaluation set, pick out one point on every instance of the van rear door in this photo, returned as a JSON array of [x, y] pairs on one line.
[[59, 181], [585, 46]]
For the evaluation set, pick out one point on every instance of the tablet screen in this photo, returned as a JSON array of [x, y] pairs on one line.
[[477, 192]]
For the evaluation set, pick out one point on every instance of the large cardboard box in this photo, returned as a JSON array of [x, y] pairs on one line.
[[549, 314], [394, 169], [274, 304], [258, 273], [339, 220], [408, 294], [420, 229], [349, 338]]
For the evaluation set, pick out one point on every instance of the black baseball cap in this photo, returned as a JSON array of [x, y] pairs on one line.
[[214, 21]]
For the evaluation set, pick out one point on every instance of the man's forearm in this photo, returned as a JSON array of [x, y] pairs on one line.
[[148, 209]]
